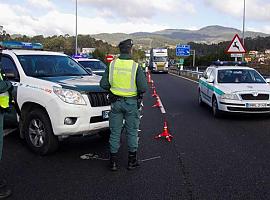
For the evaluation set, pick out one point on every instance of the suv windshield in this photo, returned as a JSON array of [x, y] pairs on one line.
[[93, 65], [160, 59], [239, 76], [50, 66]]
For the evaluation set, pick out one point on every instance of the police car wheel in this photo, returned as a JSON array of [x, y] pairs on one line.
[[215, 110], [39, 134], [200, 98]]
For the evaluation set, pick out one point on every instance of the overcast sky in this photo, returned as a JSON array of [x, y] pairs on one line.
[[50, 17]]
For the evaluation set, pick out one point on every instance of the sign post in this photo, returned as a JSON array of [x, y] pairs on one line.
[[182, 51], [236, 48]]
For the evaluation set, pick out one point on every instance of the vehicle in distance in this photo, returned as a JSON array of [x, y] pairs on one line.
[[56, 97], [159, 60], [95, 65], [234, 89]]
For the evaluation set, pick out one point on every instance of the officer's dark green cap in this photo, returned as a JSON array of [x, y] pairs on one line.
[[126, 44]]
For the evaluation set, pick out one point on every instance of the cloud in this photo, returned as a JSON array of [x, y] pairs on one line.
[[41, 4], [257, 10], [141, 9], [55, 22]]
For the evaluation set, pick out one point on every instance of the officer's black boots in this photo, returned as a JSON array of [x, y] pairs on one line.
[[132, 160], [4, 190], [113, 162]]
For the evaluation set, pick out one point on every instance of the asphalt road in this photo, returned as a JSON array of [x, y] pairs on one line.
[[209, 158]]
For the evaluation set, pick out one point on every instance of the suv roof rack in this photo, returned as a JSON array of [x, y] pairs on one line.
[[229, 63], [20, 45]]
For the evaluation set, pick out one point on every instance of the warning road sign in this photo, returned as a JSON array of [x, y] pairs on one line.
[[236, 46]]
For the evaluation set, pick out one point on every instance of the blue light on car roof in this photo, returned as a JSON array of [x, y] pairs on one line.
[[229, 63], [78, 56], [21, 45]]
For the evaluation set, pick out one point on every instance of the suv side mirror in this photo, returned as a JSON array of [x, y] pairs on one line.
[[10, 75], [89, 70], [267, 80]]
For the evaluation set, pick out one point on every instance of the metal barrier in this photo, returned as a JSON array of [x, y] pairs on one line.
[[187, 73]]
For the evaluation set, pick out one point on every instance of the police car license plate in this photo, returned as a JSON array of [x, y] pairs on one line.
[[256, 105], [105, 114]]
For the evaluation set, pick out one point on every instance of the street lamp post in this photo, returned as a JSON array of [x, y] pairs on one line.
[[244, 21], [76, 45]]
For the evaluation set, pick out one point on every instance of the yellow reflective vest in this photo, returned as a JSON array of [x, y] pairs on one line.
[[122, 77], [4, 97]]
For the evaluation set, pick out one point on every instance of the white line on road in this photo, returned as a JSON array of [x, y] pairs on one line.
[[184, 78], [162, 109], [148, 159], [8, 131]]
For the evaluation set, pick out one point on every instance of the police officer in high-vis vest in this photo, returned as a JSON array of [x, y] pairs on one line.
[[5, 87], [126, 82]]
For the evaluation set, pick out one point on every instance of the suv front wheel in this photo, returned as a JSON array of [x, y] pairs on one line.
[[38, 132]]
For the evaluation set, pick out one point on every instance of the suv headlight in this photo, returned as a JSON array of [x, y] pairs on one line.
[[230, 96], [69, 96]]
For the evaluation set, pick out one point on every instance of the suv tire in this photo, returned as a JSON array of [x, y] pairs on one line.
[[38, 132]]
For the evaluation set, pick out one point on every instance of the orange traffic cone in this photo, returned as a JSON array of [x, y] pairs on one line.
[[149, 78], [152, 86], [165, 133], [157, 104], [154, 93]]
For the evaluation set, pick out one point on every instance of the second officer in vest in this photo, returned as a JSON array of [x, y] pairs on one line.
[[126, 83]]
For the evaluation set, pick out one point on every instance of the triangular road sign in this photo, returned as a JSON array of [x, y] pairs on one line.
[[236, 46]]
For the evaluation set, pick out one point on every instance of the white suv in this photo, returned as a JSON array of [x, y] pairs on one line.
[[56, 97], [234, 89]]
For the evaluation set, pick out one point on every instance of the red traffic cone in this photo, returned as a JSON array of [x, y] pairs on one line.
[[152, 86], [154, 93], [149, 77], [157, 104], [165, 133]]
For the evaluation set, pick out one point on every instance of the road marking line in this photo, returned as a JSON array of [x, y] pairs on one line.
[[184, 78], [148, 159], [162, 109], [92, 156], [8, 131]]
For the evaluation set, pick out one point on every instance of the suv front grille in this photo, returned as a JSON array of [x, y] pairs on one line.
[[252, 97], [98, 99]]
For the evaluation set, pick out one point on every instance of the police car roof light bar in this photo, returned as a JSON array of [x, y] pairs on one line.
[[229, 63], [21, 45]]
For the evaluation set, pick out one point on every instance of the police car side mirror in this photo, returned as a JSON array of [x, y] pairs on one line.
[[211, 80], [267, 80]]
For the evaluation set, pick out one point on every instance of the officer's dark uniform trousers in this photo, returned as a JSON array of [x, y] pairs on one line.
[[124, 108]]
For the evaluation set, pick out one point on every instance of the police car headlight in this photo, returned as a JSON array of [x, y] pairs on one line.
[[69, 96], [230, 96]]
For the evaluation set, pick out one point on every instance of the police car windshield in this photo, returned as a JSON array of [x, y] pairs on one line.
[[93, 65], [160, 59], [239, 76], [50, 66]]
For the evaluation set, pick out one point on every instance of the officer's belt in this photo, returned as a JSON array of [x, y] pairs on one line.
[[125, 98]]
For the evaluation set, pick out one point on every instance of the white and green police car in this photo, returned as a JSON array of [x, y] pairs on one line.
[[55, 95], [234, 89]]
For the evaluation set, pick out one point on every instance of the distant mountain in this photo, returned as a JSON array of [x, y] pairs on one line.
[[171, 37]]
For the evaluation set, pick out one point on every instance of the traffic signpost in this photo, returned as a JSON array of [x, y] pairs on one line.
[[236, 47], [183, 50]]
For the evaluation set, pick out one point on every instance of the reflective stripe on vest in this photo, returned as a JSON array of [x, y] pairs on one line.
[[4, 97], [122, 77]]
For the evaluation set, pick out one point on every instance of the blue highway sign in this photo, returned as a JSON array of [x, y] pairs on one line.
[[183, 50]]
